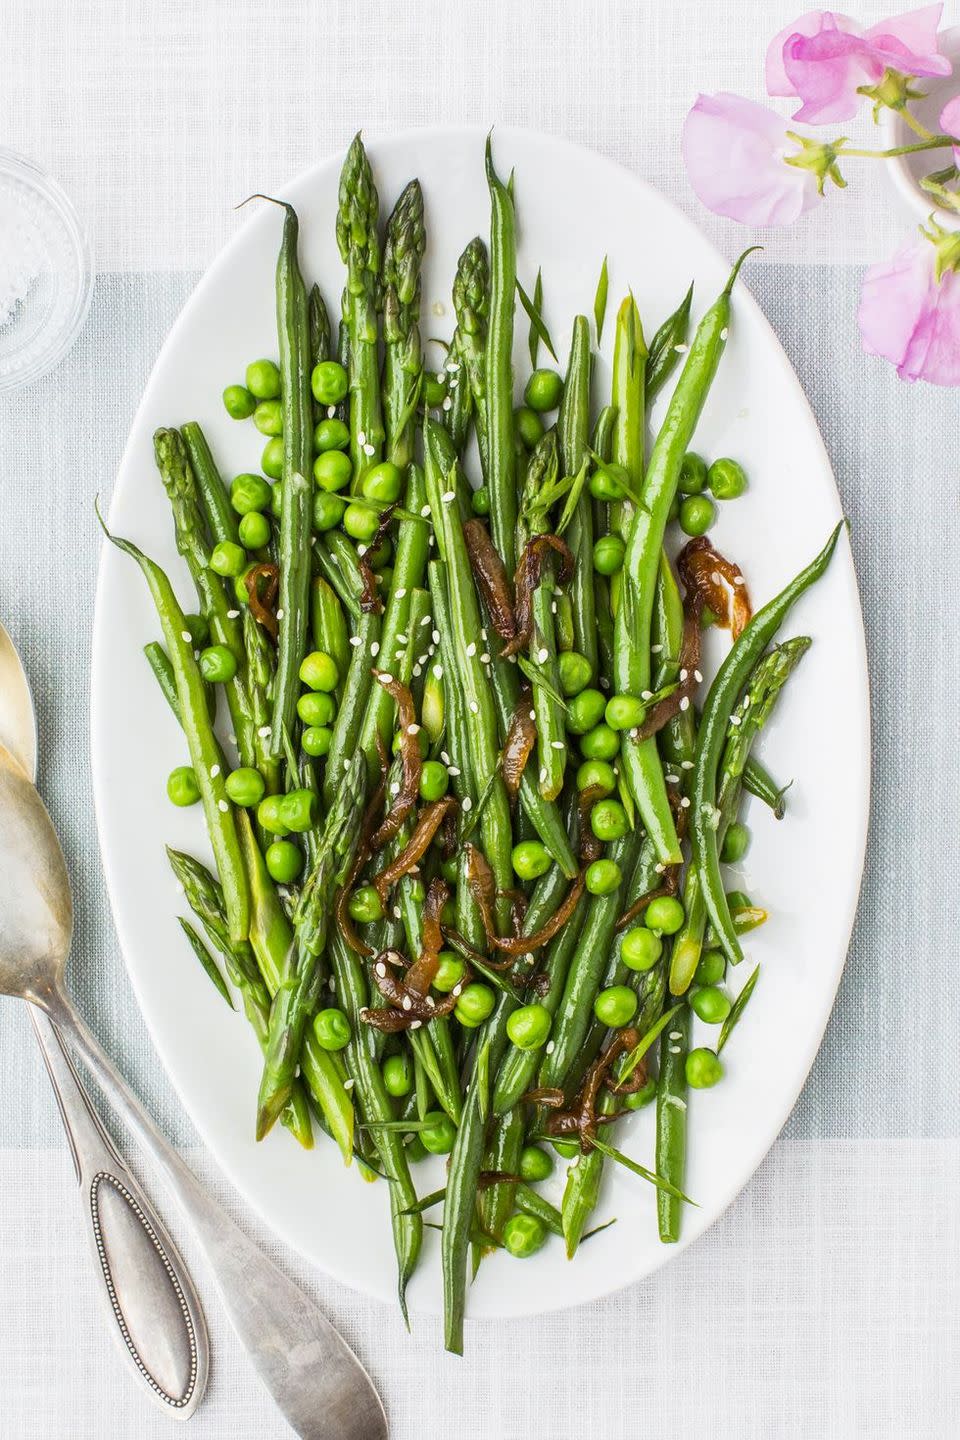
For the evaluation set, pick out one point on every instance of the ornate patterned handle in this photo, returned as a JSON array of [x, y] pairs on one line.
[[155, 1314]]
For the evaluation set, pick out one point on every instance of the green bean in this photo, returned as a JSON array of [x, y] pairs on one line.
[[206, 756], [667, 346], [500, 476], [271, 937], [320, 336], [495, 1202], [261, 659], [356, 690], [758, 781], [714, 721], [573, 432], [671, 1142], [581, 1192], [296, 513], [159, 662], [221, 517], [629, 373]]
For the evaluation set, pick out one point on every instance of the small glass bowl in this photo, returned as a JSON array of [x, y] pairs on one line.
[[46, 275]]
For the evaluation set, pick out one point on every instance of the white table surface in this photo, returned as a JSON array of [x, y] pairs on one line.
[[825, 1301]]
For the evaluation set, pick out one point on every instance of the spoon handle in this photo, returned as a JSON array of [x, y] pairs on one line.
[[154, 1311], [312, 1374]]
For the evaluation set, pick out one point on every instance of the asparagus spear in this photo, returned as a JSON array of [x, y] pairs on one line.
[[403, 361], [357, 217], [296, 998], [471, 300]]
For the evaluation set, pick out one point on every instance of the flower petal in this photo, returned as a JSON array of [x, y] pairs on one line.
[[909, 43], [910, 319], [778, 83], [950, 124], [734, 153]]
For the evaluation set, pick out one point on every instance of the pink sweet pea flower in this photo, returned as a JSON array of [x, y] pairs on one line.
[[911, 317], [950, 124], [734, 151], [823, 58]]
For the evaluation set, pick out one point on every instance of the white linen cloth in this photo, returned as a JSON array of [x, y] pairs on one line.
[[825, 1301]]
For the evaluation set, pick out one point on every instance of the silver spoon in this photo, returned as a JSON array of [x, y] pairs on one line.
[[153, 1309], [314, 1377]]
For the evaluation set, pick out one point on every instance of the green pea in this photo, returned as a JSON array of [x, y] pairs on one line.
[[226, 558], [434, 780], [597, 775], [623, 712], [474, 1004], [585, 711], [238, 402], [665, 915], [529, 1026], [535, 1164], [575, 672], [245, 787], [198, 628], [449, 869], [254, 530], [271, 461], [739, 900], [480, 501], [450, 971], [736, 843], [240, 583], [693, 474], [524, 1235], [332, 470], [615, 1006], [602, 877], [608, 820], [327, 511], [529, 425], [268, 417], [608, 553], [182, 787], [249, 493], [697, 514], [316, 739], [298, 810], [600, 743], [270, 815], [640, 949], [365, 905], [329, 382], [284, 861], [544, 391], [609, 482], [397, 1075], [435, 392], [531, 859], [383, 482], [217, 664], [726, 479], [712, 968], [566, 1148], [319, 671], [263, 379], [332, 1028], [710, 1004], [315, 707], [361, 523], [439, 1133], [640, 1099], [331, 434], [703, 1069]]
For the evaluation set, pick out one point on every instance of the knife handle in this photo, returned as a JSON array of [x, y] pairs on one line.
[[154, 1313]]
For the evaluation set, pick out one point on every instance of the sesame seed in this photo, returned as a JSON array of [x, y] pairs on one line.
[[279, 614], [374, 648], [447, 403], [355, 640], [361, 437], [533, 714], [471, 648], [659, 867], [483, 632], [441, 378], [362, 550], [214, 771], [698, 677], [474, 708], [676, 1034], [553, 607], [369, 449], [456, 989], [686, 764], [646, 694], [716, 577], [543, 773], [402, 639], [656, 649], [485, 658], [685, 703], [674, 1049], [415, 1024], [397, 912], [558, 745], [444, 757], [222, 805], [426, 620], [672, 779], [448, 496], [264, 731], [467, 803], [551, 1046], [395, 787], [385, 677], [683, 675], [453, 770], [346, 764], [381, 969], [635, 732], [417, 671], [429, 1001], [413, 729], [680, 349], [407, 1003], [735, 720], [738, 580], [425, 511], [685, 802], [436, 637], [185, 635], [438, 671], [331, 412], [724, 333], [543, 655], [232, 614], [349, 1083]]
